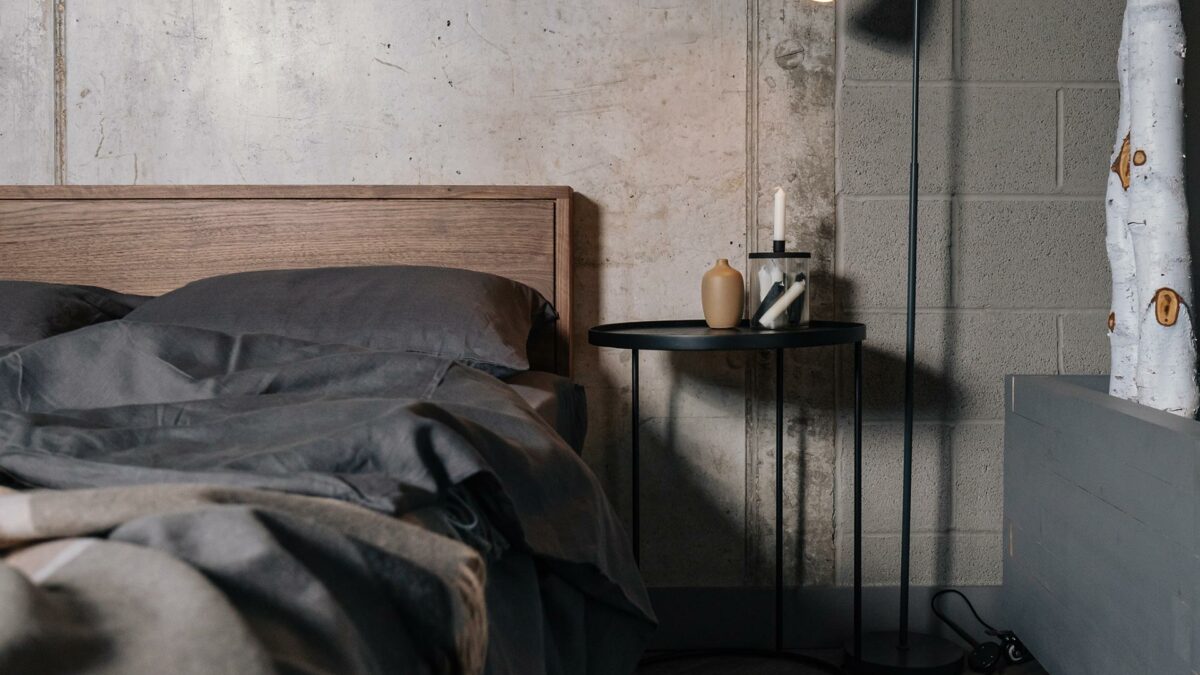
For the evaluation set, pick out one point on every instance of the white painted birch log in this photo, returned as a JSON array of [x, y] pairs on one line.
[[1123, 315], [1158, 214]]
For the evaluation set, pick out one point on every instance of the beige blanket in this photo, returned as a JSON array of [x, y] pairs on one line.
[[201, 579]]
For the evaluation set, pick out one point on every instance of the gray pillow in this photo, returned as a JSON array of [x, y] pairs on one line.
[[32, 310], [481, 319]]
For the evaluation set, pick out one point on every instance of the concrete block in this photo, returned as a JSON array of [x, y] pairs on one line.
[[955, 559], [957, 478], [1148, 437], [631, 105], [693, 489], [794, 130], [693, 385], [27, 90], [1022, 254], [693, 501], [1084, 343], [869, 58], [962, 358], [977, 488], [792, 106], [1112, 488], [874, 253], [453, 92], [1089, 129], [809, 451], [1035, 40], [607, 446], [973, 139], [1046, 625]]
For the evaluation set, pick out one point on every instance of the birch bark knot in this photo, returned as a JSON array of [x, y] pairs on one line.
[[1120, 165], [1166, 306]]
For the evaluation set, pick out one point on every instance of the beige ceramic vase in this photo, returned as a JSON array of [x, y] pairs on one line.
[[722, 293]]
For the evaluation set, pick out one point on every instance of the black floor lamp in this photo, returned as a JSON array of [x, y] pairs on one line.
[[901, 651]]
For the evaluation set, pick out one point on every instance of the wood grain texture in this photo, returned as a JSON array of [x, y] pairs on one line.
[[563, 280], [152, 239], [284, 192]]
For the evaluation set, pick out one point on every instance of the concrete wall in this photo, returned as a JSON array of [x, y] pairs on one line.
[[1019, 108], [670, 117], [673, 119]]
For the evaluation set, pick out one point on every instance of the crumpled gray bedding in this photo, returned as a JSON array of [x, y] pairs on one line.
[[111, 411], [556, 399]]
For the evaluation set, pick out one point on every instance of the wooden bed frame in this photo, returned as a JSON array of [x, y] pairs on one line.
[[152, 239]]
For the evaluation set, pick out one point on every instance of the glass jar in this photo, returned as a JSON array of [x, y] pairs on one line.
[[779, 289]]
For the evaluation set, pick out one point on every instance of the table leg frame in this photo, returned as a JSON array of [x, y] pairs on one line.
[[779, 388], [778, 500], [637, 488], [858, 494]]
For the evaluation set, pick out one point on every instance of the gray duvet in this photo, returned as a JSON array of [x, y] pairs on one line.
[[348, 510]]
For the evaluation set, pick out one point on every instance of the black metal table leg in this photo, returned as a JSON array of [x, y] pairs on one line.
[[778, 499], [637, 511], [695, 335], [858, 491], [779, 651]]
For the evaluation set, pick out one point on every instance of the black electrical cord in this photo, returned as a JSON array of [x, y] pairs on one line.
[[985, 657], [948, 622]]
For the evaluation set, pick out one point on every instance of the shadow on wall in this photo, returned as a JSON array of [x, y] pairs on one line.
[[688, 532], [889, 24], [939, 396], [585, 230], [694, 524], [691, 531]]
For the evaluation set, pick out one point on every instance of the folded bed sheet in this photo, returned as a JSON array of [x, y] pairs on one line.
[[556, 399], [345, 504]]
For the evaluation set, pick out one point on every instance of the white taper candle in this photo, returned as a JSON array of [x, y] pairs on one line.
[[781, 305], [780, 196]]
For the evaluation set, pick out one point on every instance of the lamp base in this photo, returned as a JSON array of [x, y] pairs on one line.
[[923, 655]]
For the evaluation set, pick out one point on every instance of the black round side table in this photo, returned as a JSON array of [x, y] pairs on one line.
[[697, 336]]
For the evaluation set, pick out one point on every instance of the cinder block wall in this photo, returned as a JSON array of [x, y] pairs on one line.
[[1019, 110]]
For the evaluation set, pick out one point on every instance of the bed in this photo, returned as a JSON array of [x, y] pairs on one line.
[[190, 489]]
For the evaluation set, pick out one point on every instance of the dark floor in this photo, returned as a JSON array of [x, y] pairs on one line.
[[733, 665]]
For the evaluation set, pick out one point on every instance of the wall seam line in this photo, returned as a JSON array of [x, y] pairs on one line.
[[839, 387], [980, 197], [937, 310], [984, 84], [1058, 324], [956, 40], [750, 447], [60, 92], [933, 421], [1060, 137]]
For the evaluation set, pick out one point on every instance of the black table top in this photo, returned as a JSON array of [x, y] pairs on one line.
[[695, 335]]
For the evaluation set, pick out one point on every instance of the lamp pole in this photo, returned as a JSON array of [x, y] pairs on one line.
[[903, 652], [910, 329]]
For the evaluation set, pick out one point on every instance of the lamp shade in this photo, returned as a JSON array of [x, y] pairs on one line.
[[891, 21]]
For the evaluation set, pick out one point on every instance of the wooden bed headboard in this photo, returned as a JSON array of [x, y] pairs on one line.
[[152, 239]]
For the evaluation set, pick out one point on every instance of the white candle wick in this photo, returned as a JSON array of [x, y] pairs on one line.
[[780, 197]]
